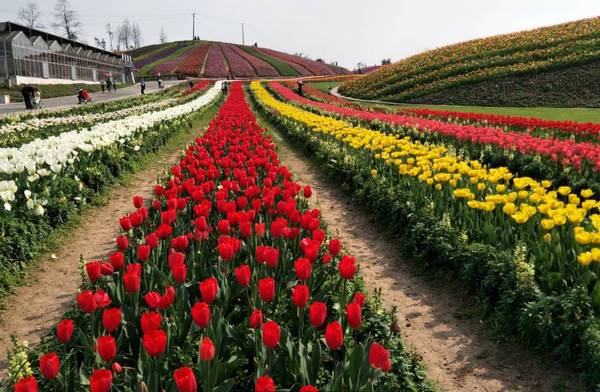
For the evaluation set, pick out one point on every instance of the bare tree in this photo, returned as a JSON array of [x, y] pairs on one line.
[[136, 35], [101, 43], [66, 19], [163, 36], [111, 35], [30, 15], [124, 36]]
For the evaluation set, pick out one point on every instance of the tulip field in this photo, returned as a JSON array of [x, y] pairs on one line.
[[227, 279]]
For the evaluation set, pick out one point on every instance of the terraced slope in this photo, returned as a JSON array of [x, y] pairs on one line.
[[219, 59], [550, 66]]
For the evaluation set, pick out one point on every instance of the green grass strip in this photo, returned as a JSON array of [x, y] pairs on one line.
[[284, 69]]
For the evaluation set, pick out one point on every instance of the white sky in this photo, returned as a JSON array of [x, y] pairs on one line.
[[347, 31]]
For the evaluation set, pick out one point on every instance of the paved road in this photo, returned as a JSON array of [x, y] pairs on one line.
[[69, 101]]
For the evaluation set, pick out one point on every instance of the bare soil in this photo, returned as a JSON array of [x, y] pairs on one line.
[[434, 315]]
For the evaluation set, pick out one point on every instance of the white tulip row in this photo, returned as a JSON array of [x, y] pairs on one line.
[[35, 124], [41, 157]]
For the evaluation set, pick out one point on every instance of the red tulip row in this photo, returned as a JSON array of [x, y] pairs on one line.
[[212, 283], [510, 121], [199, 86], [192, 60], [215, 66], [262, 67], [565, 151]]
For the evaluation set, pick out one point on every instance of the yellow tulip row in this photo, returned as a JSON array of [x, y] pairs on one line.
[[483, 188]]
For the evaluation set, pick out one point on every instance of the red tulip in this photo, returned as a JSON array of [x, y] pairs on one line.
[[259, 229], [379, 357], [317, 313], [335, 247], [243, 275], [64, 330], [245, 229], [180, 243], [136, 219], [354, 315], [101, 380], [267, 255], [143, 252], [334, 336], [208, 289], [307, 191], [347, 267], [303, 268], [300, 295], [106, 269], [185, 379], [359, 298], [326, 258], [226, 251], [86, 301], [131, 282], [156, 204], [223, 226], [106, 347], [101, 299], [93, 270], [26, 384], [138, 201], [117, 259], [201, 314], [155, 342], [264, 384], [152, 299], [125, 223], [150, 321], [152, 240], [271, 334], [207, 349], [49, 365], [123, 242], [111, 319], [256, 319], [266, 289], [116, 368], [179, 272], [308, 388]]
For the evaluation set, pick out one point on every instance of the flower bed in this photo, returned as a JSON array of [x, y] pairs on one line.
[[238, 65], [45, 182], [503, 235], [193, 61], [283, 68], [215, 66], [287, 59], [261, 67], [228, 282], [159, 54], [544, 158]]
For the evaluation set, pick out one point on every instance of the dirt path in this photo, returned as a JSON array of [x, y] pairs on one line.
[[456, 350], [35, 308]]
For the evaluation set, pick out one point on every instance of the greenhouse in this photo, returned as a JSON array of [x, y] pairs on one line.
[[34, 56]]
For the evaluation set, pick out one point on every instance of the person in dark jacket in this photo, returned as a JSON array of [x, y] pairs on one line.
[[108, 85], [142, 85], [28, 92]]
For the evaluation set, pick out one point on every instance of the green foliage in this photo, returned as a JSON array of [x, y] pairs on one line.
[[283, 68]]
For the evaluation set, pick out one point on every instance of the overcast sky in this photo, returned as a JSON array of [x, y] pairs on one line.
[[347, 31]]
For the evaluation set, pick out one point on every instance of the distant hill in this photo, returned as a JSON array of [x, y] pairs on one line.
[[549, 66], [219, 59]]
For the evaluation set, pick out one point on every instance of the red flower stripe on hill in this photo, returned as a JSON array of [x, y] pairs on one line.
[[215, 67], [511, 121], [302, 70], [240, 68], [228, 262], [565, 151], [314, 67], [193, 60], [262, 67]]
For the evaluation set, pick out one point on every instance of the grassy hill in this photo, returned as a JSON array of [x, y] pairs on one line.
[[548, 66], [219, 59]]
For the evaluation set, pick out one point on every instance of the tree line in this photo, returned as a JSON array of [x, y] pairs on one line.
[[65, 19]]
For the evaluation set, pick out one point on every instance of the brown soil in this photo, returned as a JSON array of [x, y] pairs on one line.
[[35, 308], [458, 352]]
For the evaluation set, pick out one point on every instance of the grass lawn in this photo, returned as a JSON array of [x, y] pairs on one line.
[[53, 90], [568, 114]]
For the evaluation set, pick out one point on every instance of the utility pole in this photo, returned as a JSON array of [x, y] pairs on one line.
[[193, 26], [243, 34]]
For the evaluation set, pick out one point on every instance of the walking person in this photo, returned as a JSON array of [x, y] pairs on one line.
[[190, 83], [114, 84], [28, 92], [300, 84], [159, 82], [142, 85], [102, 85], [108, 85]]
